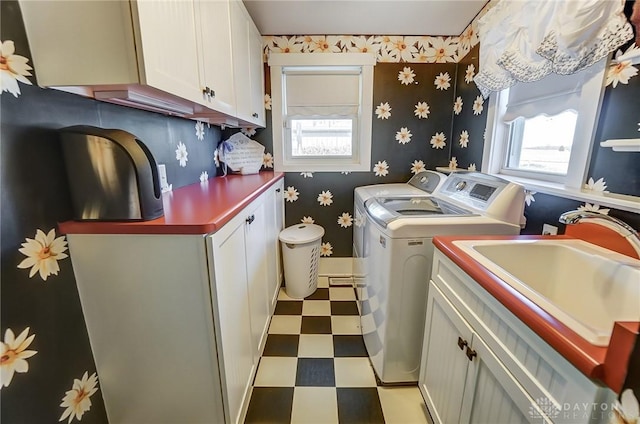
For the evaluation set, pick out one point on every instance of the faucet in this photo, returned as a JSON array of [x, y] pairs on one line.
[[620, 227]]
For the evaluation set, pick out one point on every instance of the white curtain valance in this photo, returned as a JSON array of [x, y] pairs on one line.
[[525, 40]]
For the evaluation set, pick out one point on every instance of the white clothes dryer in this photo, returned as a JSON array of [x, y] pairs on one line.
[[397, 254]]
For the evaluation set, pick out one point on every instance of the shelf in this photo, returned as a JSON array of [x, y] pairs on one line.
[[623, 144]]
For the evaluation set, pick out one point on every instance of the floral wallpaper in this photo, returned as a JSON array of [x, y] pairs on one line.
[[412, 112], [47, 373], [427, 113], [387, 48], [449, 131]]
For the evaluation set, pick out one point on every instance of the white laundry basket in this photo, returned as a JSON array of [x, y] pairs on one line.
[[300, 254]]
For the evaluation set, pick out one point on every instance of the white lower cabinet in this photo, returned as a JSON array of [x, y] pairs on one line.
[[275, 224], [462, 379], [480, 364], [177, 323]]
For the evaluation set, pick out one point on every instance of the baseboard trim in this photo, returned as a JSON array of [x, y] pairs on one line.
[[336, 267]]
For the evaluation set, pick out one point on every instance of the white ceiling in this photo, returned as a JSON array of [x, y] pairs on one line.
[[363, 17]]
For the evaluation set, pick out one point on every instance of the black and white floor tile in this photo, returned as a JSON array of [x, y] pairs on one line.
[[315, 368]]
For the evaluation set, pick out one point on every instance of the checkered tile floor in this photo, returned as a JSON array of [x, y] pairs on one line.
[[315, 368]]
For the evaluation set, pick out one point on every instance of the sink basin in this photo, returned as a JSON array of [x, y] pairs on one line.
[[582, 285]]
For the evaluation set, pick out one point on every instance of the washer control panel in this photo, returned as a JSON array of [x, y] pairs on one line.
[[473, 188], [427, 181]]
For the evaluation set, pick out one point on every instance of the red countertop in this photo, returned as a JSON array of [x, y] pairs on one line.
[[199, 208], [607, 364]]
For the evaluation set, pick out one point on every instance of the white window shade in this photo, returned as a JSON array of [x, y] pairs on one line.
[[549, 96], [316, 93]]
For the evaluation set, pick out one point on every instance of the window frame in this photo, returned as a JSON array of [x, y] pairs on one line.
[[497, 137], [360, 160]]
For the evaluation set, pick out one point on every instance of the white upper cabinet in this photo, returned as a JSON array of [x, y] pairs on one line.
[[168, 49], [247, 65], [257, 75], [172, 56], [216, 68]]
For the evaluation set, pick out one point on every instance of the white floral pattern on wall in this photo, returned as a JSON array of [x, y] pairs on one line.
[[387, 48], [43, 253], [248, 131], [422, 110], [620, 70], [406, 76], [588, 207], [181, 154], [200, 130], [464, 139], [13, 69], [381, 168], [14, 355], [326, 249], [627, 410], [457, 105], [325, 198], [599, 186], [77, 401], [442, 81], [383, 111], [478, 105], [470, 73], [417, 166], [438, 141], [403, 136], [291, 194], [267, 160], [528, 197], [345, 220]]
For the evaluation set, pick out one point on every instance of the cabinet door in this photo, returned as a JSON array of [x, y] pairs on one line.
[[279, 210], [257, 274], [247, 65], [231, 303], [444, 365], [275, 218], [492, 395], [241, 63], [256, 75], [214, 47], [167, 47]]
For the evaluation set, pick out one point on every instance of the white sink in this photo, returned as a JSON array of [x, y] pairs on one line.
[[582, 285]]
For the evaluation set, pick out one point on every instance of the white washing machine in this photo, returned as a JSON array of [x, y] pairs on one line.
[[422, 184], [397, 254]]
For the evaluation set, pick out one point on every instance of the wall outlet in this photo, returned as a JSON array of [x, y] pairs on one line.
[[549, 230], [162, 176]]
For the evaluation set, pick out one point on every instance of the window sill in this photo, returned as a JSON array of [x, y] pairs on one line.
[[610, 200]]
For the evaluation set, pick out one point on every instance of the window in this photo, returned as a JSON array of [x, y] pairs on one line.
[[542, 132], [541, 144], [321, 111]]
